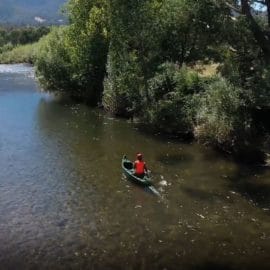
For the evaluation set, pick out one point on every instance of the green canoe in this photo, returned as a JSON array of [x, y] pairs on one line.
[[127, 167]]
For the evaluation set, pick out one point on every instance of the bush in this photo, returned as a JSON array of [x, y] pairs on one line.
[[169, 97], [72, 59], [222, 118], [6, 47], [88, 43], [19, 54], [251, 74], [124, 85], [53, 64]]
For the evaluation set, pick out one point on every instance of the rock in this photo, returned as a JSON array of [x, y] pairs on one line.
[[163, 183]]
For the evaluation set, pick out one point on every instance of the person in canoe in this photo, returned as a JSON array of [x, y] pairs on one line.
[[140, 166]]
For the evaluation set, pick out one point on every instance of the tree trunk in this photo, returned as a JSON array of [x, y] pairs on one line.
[[267, 2], [261, 37]]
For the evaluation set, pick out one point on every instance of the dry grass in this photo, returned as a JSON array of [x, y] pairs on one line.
[[206, 70]]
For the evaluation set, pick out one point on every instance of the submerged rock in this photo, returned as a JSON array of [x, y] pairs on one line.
[[163, 183]]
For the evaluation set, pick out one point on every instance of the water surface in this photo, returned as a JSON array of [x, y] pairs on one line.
[[64, 203]]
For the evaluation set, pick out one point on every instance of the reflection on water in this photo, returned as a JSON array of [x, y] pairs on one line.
[[65, 204]]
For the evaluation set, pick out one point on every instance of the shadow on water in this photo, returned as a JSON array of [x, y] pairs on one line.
[[253, 184], [149, 131], [64, 113], [202, 195], [175, 159], [209, 265], [214, 266]]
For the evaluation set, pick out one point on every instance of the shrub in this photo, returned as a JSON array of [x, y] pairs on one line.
[[19, 54], [87, 40], [222, 118], [124, 85], [53, 64], [6, 47], [72, 59], [169, 97], [251, 74]]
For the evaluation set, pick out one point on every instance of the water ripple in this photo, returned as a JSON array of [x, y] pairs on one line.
[[25, 69]]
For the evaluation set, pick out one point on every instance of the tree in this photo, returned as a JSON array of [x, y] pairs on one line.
[[261, 32], [133, 53], [87, 39], [77, 53]]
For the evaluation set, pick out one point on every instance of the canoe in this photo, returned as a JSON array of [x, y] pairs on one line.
[[127, 167]]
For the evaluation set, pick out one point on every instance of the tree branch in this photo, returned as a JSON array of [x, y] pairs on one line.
[[267, 2], [234, 8], [261, 38]]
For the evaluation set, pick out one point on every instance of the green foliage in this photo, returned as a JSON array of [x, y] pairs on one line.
[[244, 66], [53, 64], [242, 55], [189, 33], [72, 59], [169, 98], [145, 34], [262, 96], [123, 86], [19, 54], [133, 54], [16, 43], [22, 35], [6, 47], [135, 57], [87, 41], [222, 117]]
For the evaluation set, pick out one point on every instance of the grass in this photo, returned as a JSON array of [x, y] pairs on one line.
[[206, 70], [19, 54]]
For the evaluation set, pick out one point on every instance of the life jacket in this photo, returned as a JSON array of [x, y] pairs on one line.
[[139, 167]]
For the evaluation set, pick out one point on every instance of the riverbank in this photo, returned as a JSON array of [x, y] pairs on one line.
[[141, 60], [20, 54], [245, 152], [18, 43]]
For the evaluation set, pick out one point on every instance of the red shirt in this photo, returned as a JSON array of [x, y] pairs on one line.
[[139, 167]]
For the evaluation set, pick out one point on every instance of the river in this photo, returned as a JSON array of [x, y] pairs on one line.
[[64, 203]]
